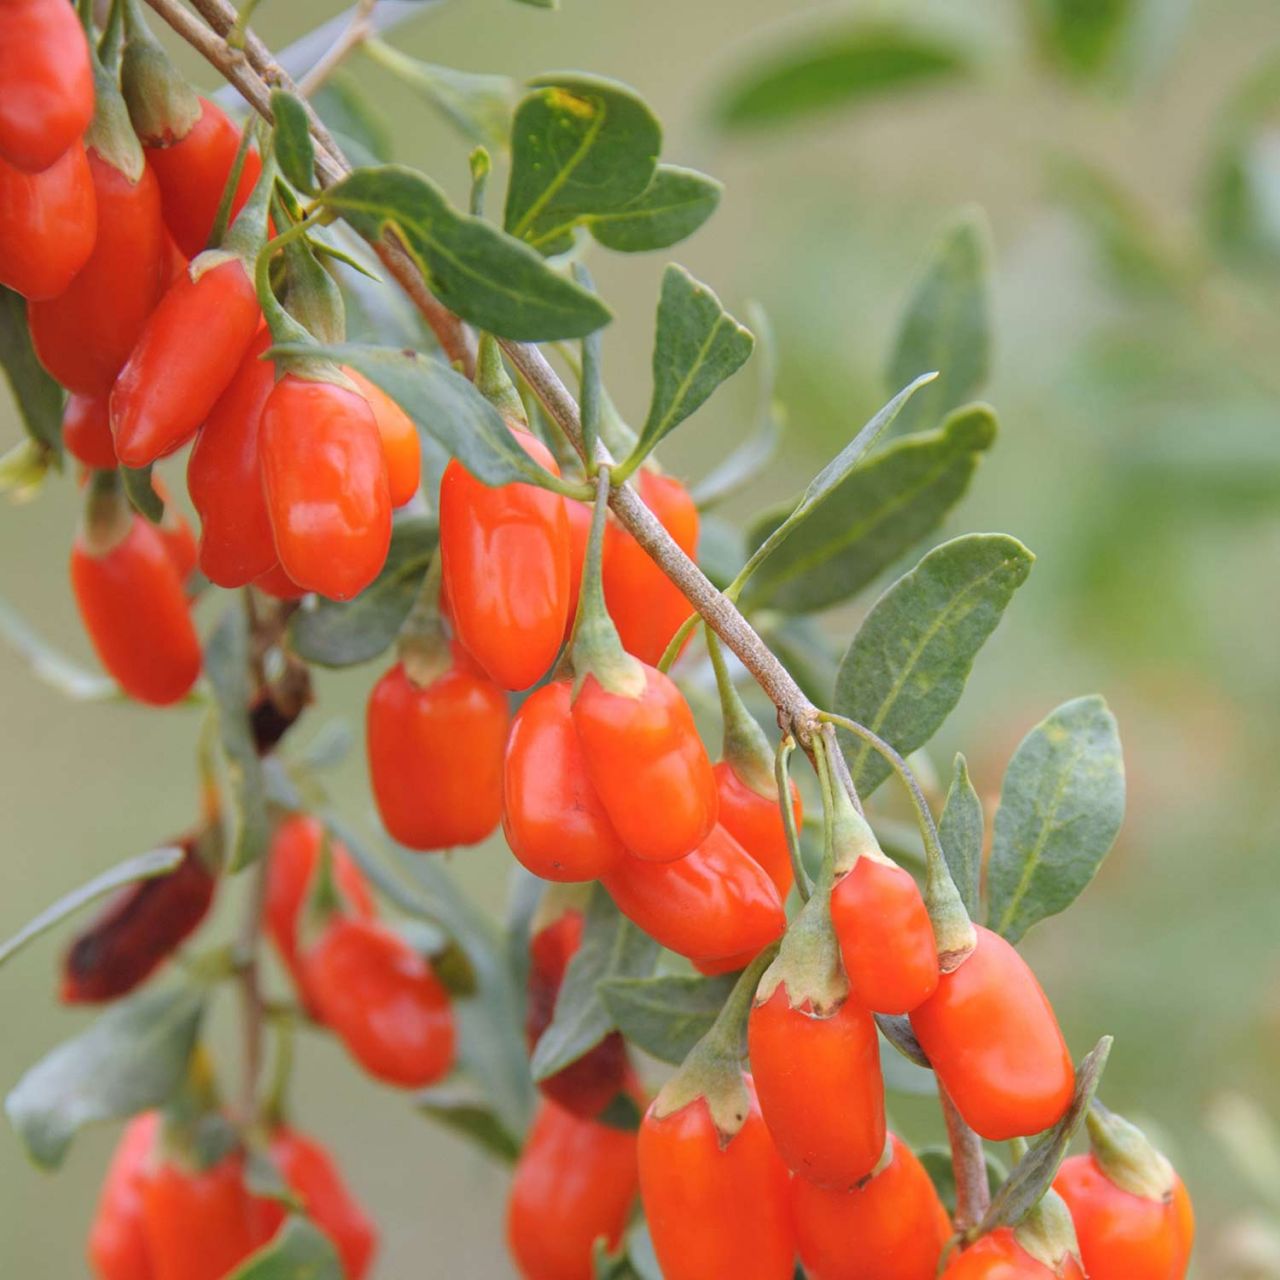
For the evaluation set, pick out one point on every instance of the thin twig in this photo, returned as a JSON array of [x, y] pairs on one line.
[[969, 1162], [354, 33]]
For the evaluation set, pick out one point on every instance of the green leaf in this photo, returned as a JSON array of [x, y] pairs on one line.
[[49, 665], [907, 666], [298, 1251], [478, 106], [947, 325], [1033, 1175], [833, 67], [460, 1106], [485, 276], [863, 520], [672, 207], [937, 1164], [612, 947], [697, 346], [226, 663], [362, 130], [142, 494], [37, 395], [897, 1030], [541, 4], [131, 1059], [665, 1016], [445, 406], [1061, 805], [580, 146], [1083, 39], [143, 866], [961, 830], [343, 634], [295, 152]]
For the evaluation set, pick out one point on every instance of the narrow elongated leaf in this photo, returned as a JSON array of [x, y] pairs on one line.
[[298, 1251], [131, 1059], [612, 947], [444, 405], [37, 395], [961, 830], [907, 666], [1034, 1173], [49, 665], [698, 345], [465, 1110], [1083, 39], [1061, 805], [672, 207], [947, 326], [580, 146], [834, 67], [668, 1015], [295, 152], [144, 866], [486, 276], [226, 663], [868, 517], [344, 633], [142, 494]]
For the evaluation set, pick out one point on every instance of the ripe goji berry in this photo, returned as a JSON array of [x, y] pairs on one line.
[[186, 355], [141, 927], [713, 904], [991, 1035], [892, 1227], [311, 1174], [1132, 1215], [291, 867], [382, 1000], [999, 1256], [131, 602], [223, 479], [400, 444], [821, 1093], [755, 822], [173, 528], [276, 583], [506, 569], [574, 1183], [325, 482], [435, 755], [48, 223], [646, 606], [85, 334], [46, 82], [647, 765], [118, 1248], [86, 431], [552, 817], [193, 172], [717, 1205], [591, 1083]]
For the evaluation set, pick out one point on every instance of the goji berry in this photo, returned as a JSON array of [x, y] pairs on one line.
[[276, 583], [713, 904], [754, 820], [435, 755], [506, 569], [400, 444], [574, 1183], [646, 606], [382, 1000], [46, 82], [118, 1248], [224, 481], [138, 931], [716, 1204], [325, 481], [86, 431], [48, 223], [552, 817], [991, 1035], [892, 1227], [999, 1256], [647, 764]]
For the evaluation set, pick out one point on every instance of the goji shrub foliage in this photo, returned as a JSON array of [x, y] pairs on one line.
[[720, 963]]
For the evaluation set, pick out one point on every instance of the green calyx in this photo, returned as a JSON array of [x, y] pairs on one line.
[[163, 107], [851, 834], [596, 647], [422, 646], [1047, 1232], [494, 383], [195, 1133], [712, 1070], [808, 964], [107, 517], [110, 132], [1126, 1155], [745, 747], [311, 295]]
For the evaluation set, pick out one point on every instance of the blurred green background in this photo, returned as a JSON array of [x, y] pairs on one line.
[[1136, 378]]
